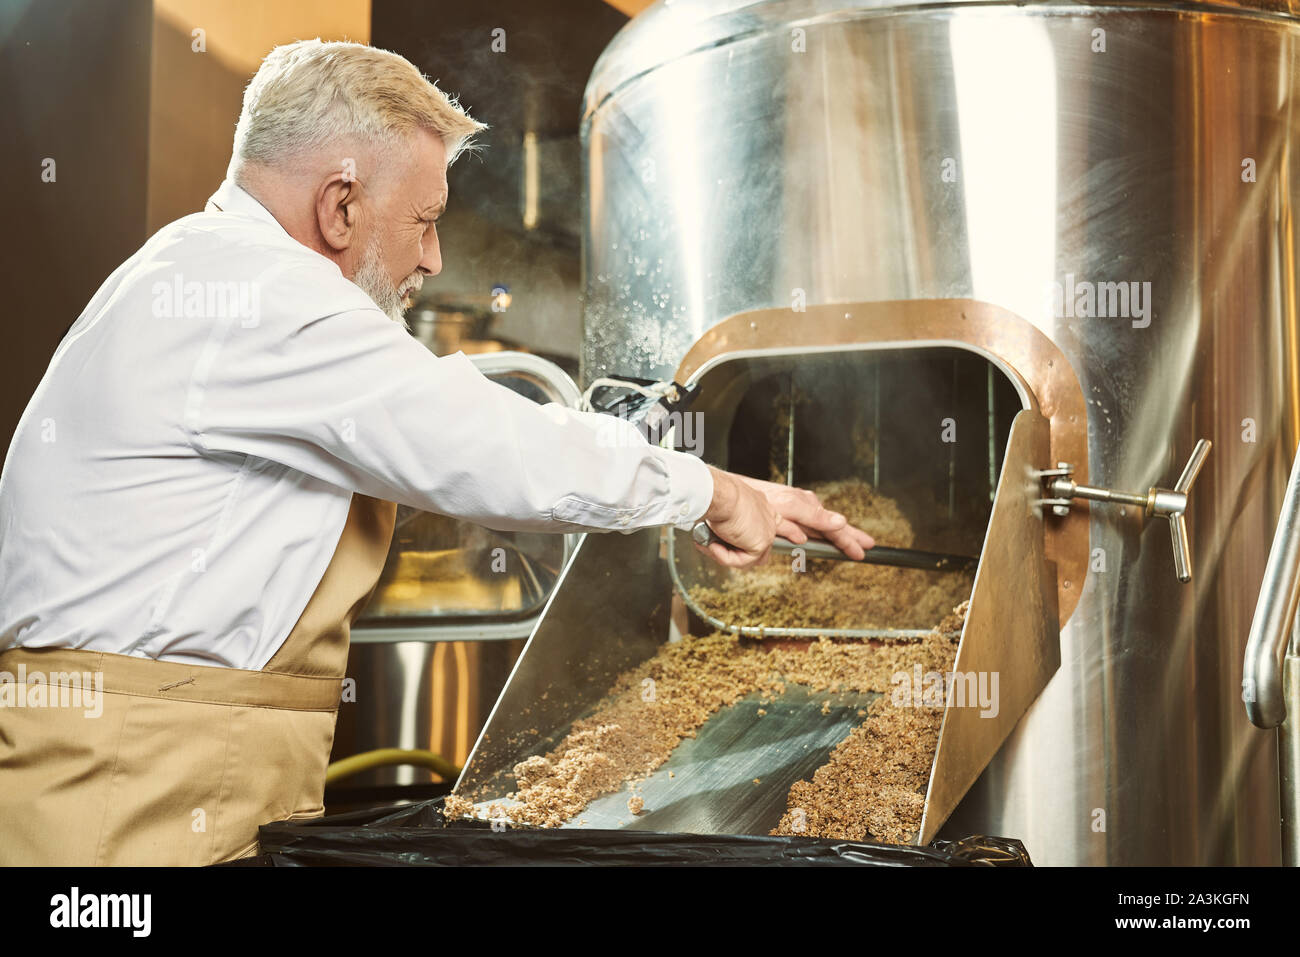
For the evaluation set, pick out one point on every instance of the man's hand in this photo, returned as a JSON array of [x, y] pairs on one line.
[[748, 514]]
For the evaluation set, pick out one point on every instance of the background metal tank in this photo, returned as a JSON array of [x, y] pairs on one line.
[[739, 155]]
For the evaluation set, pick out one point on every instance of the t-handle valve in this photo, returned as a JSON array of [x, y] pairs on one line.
[[1171, 504]]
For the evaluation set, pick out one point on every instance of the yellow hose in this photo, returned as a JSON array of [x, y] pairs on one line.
[[385, 756]]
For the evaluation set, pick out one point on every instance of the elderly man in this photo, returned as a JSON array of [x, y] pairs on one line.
[[200, 494]]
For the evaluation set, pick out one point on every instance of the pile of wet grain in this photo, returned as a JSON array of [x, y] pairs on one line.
[[872, 787]]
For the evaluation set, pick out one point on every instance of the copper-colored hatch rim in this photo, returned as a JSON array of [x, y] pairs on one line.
[[999, 333]]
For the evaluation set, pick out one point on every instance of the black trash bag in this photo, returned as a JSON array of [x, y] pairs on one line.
[[419, 835]]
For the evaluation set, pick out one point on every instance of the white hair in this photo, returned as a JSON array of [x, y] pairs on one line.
[[309, 94]]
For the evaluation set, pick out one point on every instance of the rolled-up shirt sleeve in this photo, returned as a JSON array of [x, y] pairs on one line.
[[352, 399]]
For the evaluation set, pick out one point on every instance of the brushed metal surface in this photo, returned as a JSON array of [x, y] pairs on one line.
[[756, 156]]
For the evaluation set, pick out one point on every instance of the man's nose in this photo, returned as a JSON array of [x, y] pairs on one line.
[[431, 263]]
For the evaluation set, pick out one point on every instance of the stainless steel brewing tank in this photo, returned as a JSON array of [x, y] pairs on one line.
[[758, 155]]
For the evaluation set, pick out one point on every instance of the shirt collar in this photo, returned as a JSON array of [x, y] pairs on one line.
[[230, 198]]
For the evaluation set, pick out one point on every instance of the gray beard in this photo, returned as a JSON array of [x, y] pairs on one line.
[[374, 282]]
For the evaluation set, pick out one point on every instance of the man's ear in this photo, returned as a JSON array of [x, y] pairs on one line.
[[336, 211]]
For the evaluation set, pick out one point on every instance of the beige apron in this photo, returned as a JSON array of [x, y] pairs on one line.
[[185, 761]]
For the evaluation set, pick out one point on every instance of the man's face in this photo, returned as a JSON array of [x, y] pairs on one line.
[[401, 244]]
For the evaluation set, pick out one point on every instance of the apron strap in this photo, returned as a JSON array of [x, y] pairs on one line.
[[318, 643]]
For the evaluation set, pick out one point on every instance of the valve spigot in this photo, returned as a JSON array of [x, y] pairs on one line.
[[1168, 503]]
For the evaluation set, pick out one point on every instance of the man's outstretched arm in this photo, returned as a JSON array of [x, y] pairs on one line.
[[352, 399]]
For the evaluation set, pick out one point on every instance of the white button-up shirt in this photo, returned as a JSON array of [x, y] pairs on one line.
[[180, 478]]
